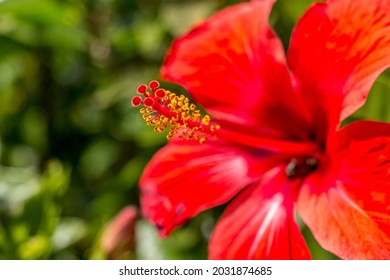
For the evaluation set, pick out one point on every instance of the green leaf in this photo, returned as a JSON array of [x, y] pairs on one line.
[[148, 246], [36, 248], [42, 12], [68, 232], [17, 185]]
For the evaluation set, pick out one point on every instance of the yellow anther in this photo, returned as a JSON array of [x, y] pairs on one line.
[[165, 109]]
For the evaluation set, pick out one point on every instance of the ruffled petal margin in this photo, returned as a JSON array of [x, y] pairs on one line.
[[337, 51], [185, 178]]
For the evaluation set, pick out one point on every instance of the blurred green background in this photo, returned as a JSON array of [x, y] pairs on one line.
[[71, 146]]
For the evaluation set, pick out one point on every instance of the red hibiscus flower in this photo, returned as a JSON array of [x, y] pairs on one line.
[[274, 145]]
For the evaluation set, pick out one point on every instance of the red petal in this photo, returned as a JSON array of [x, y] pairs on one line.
[[347, 204], [185, 178], [234, 65], [259, 224], [337, 51]]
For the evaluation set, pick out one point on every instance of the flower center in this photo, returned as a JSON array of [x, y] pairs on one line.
[[164, 109], [301, 167]]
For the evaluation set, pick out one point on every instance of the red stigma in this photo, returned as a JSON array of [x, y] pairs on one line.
[[149, 101], [160, 93], [154, 84], [136, 101], [142, 89]]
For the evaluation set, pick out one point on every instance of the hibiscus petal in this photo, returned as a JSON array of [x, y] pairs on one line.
[[337, 51], [234, 66], [259, 224], [185, 178], [347, 205]]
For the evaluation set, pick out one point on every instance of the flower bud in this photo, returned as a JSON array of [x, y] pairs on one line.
[[118, 240]]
